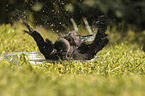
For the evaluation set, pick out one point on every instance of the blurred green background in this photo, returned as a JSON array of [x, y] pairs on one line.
[[57, 13], [124, 16]]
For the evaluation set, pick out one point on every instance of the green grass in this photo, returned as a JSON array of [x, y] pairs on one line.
[[119, 71]]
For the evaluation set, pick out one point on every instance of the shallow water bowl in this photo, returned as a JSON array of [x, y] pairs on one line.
[[33, 57]]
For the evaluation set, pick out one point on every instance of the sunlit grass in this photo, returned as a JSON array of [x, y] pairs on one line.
[[118, 71]]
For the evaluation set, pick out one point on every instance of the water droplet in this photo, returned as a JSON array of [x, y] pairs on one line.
[[51, 25], [57, 30], [30, 4]]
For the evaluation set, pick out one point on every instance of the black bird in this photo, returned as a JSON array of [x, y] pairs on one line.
[[72, 46]]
